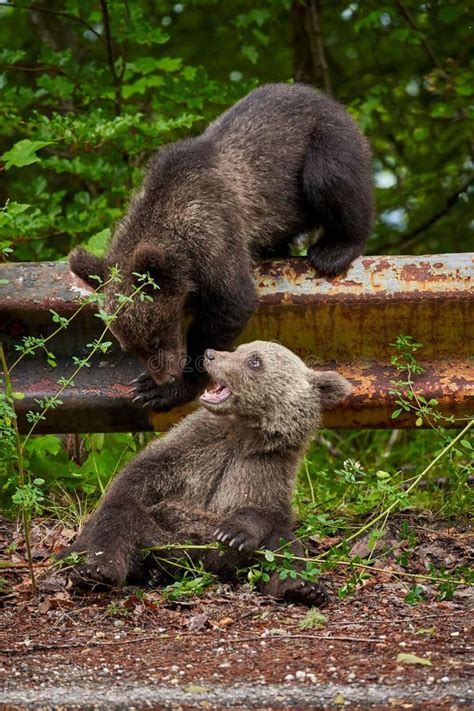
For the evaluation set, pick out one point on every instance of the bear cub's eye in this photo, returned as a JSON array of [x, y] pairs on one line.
[[254, 361]]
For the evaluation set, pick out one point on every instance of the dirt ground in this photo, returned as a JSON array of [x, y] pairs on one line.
[[233, 648]]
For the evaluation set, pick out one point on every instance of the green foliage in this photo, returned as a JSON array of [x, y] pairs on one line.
[[191, 581], [101, 456], [89, 89], [23, 153], [29, 496]]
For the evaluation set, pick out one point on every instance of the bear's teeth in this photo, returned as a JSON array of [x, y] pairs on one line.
[[217, 388], [216, 394]]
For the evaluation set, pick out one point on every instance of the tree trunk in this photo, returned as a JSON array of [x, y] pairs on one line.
[[310, 62]]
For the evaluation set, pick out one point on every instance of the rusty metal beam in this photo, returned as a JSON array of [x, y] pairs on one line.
[[347, 323]]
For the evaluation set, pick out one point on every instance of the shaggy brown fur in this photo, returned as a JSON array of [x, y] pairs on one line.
[[283, 160], [225, 473]]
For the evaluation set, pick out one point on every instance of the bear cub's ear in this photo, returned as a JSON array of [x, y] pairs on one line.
[[163, 269], [84, 265], [331, 387]]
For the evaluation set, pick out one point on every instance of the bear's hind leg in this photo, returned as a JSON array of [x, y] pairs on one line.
[[110, 546], [299, 590], [337, 186]]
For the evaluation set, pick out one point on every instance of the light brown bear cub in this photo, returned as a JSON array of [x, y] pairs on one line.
[[225, 473]]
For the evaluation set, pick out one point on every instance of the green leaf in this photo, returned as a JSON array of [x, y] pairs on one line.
[[46, 445], [421, 133], [250, 52], [23, 153], [97, 244], [169, 64], [11, 56], [443, 110]]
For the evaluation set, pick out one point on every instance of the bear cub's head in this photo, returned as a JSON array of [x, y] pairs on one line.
[[267, 383], [153, 322]]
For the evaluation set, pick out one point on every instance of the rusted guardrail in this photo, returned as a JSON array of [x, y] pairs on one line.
[[347, 324]]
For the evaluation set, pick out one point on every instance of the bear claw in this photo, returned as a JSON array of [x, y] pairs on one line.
[[235, 538], [162, 398]]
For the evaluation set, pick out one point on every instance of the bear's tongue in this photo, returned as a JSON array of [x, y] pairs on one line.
[[217, 392]]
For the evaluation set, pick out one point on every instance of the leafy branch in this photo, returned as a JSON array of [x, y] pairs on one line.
[[424, 41], [94, 347], [57, 13]]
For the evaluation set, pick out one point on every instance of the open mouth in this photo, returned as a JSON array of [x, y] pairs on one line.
[[216, 393]]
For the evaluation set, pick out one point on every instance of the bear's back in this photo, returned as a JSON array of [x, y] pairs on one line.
[[277, 120]]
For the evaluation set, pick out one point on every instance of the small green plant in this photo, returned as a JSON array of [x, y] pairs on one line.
[[282, 563], [314, 619], [415, 595], [408, 400], [115, 610], [69, 561], [193, 581], [28, 495]]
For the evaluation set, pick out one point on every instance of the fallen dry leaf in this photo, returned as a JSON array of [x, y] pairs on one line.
[[407, 658]]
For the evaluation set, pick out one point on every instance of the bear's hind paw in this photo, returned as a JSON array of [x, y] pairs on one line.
[[303, 592]]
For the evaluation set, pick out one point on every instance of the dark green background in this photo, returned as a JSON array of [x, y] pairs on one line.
[[104, 83]]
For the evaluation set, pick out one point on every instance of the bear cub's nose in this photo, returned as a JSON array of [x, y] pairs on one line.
[[209, 354]]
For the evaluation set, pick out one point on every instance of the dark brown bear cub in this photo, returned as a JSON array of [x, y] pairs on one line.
[[225, 473], [282, 161]]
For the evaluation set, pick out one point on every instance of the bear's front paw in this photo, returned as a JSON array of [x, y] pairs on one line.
[[301, 592], [162, 398], [236, 537], [98, 569]]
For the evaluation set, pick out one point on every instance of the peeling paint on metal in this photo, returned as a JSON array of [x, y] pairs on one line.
[[348, 324]]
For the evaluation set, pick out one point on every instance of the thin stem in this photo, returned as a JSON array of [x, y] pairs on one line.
[[37, 8], [87, 301], [21, 468], [417, 479], [310, 483], [81, 365], [313, 559], [110, 55]]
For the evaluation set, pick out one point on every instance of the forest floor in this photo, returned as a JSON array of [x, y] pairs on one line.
[[233, 648]]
